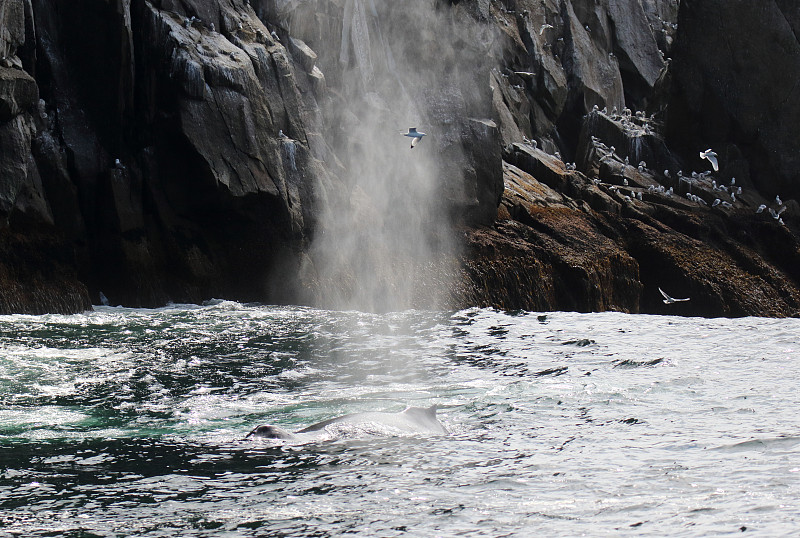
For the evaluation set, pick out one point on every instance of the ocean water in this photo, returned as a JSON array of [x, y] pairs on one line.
[[124, 422]]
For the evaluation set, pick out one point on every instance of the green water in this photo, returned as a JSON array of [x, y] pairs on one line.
[[131, 422]]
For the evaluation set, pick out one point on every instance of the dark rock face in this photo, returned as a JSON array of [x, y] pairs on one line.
[[156, 142], [164, 150], [648, 223], [740, 96], [611, 239], [37, 265]]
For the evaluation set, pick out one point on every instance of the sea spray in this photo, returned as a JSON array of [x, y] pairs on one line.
[[384, 238]]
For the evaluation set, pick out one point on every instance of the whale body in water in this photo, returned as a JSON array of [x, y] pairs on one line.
[[412, 420]]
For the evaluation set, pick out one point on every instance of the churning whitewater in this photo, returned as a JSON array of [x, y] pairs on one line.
[[133, 422]]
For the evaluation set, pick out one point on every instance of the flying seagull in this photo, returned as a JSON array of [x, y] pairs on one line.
[[544, 27], [415, 135], [670, 300], [711, 155], [777, 214]]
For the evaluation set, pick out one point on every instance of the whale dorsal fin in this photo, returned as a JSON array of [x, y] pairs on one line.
[[426, 416], [427, 412]]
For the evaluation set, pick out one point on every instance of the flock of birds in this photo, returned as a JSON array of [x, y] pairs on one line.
[[702, 180]]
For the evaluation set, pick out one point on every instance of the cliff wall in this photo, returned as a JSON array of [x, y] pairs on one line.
[[169, 150]]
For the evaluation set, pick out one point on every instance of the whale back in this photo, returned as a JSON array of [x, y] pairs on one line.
[[416, 419]]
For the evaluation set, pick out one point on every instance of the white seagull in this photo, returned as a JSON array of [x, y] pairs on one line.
[[777, 214], [711, 156], [544, 27], [415, 135], [671, 300]]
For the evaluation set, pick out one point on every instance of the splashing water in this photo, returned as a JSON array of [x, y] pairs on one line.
[[124, 422]]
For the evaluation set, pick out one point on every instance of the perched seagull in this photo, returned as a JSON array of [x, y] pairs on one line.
[[716, 202], [761, 208], [671, 300], [778, 200], [415, 135], [712, 158]]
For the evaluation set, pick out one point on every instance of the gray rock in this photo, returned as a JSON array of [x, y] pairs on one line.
[[635, 39], [12, 27], [18, 92], [303, 53]]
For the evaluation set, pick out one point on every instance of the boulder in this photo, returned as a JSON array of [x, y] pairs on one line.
[[18, 92]]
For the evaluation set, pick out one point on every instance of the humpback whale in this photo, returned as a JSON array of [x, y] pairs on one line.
[[412, 420]]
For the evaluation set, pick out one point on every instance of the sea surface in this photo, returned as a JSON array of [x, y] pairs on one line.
[[123, 422]]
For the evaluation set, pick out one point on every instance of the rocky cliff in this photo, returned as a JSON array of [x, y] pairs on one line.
[[177, 150]]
